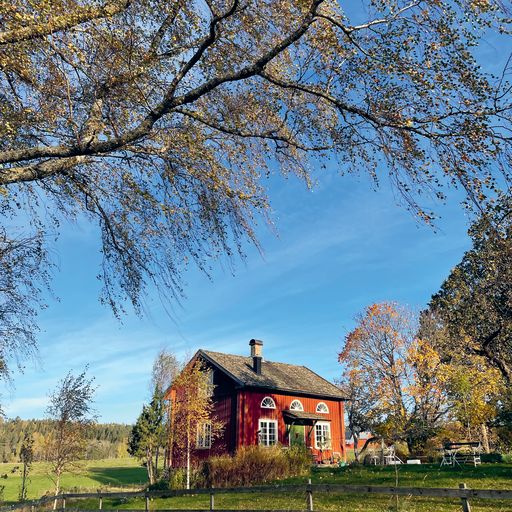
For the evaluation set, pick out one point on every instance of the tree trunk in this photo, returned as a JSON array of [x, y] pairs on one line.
[[356, 447], [149, 466], [156, 462], [412, 445], [188, 464], [57, 489], [170, 438], [366, 444], [485, 438], [23, 493]]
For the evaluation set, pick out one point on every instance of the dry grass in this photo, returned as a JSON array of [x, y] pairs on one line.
[[255, 465]]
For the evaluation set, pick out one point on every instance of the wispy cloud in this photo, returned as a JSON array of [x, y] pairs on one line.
[[339, 248]]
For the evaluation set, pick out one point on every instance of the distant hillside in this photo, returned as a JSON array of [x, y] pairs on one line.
[[106, 440]]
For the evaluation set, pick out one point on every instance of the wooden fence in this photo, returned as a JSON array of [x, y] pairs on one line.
[[463, 493]]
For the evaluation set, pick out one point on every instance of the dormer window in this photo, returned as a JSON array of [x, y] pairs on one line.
[[322, 408], [296, 405], [268, 403]]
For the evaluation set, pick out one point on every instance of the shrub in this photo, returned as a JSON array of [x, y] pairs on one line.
[[491, 457], [507, 458], [255, 465], [178, 478]]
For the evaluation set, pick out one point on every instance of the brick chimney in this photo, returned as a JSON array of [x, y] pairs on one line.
[[256, 354]]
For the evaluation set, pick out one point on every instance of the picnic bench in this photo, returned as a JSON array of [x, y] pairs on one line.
[[456, 454]]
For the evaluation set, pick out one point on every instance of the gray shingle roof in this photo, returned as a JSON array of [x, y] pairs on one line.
[[278, 376]]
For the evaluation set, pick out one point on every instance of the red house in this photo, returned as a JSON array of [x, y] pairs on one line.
[[268, 403]]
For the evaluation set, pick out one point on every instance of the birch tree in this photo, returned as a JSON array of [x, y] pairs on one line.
[[70, 410], [166, 368], [191, 411], [159, 121]]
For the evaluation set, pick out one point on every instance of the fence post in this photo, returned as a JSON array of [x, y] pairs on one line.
[[212, 501], [466, 507], [101, 502], [147, 503], [309, 496], [32, 508], [63, 502]]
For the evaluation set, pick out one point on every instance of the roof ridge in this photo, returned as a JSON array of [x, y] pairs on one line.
[[276, 375], [264, 360]]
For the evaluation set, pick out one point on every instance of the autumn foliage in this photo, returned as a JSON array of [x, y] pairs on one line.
[[191, 407], [403, 390], [158, 121]]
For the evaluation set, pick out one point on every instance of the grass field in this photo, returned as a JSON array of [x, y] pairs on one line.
[[486, 476], [126, 472], [90, 475]]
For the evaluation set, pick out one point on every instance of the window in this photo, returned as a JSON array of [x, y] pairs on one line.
[[204, 435], [268, 403], [296, 406], [321, 407], [268, 432], [323, 435]]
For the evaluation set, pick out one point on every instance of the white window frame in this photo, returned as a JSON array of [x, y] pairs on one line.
[[326, 441], [297, 402], [273, 406], [204, 436], [319, 405], [264, 440]]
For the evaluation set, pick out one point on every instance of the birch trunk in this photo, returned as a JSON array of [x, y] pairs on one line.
[[188, 464], [57, 489]]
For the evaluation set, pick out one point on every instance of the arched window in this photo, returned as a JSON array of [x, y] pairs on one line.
[[296, 406], [321, 407], [268, 403]]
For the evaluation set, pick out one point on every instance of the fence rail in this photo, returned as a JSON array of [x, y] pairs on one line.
[[463, 493]]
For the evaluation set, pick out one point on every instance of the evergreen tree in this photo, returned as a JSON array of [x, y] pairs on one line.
[[148, 435]]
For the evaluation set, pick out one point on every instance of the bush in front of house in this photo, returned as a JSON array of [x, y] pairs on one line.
[[253, 465]]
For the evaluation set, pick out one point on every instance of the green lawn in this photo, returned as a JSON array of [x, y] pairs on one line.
[[497, 476], [489, 476], [90, 475], [124, 472]]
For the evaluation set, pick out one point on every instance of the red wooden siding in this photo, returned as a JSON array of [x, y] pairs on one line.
[[240, 411], [250, 412]]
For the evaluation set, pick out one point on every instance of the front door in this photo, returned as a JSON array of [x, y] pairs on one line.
[[297, 435]]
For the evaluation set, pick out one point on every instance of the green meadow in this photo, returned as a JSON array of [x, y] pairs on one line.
[[87, 476]]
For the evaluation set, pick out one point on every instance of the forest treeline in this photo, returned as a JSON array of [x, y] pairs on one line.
[[104, 440]]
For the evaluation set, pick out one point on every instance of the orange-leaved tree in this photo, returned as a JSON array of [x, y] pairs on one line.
[[396, 378], [193, 423]]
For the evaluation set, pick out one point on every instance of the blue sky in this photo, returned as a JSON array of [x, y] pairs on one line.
[[338, 248]]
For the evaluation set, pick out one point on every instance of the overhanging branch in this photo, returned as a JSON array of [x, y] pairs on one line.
[[63, 22]]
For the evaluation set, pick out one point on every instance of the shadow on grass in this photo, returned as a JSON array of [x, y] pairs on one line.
[[119, 476]]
